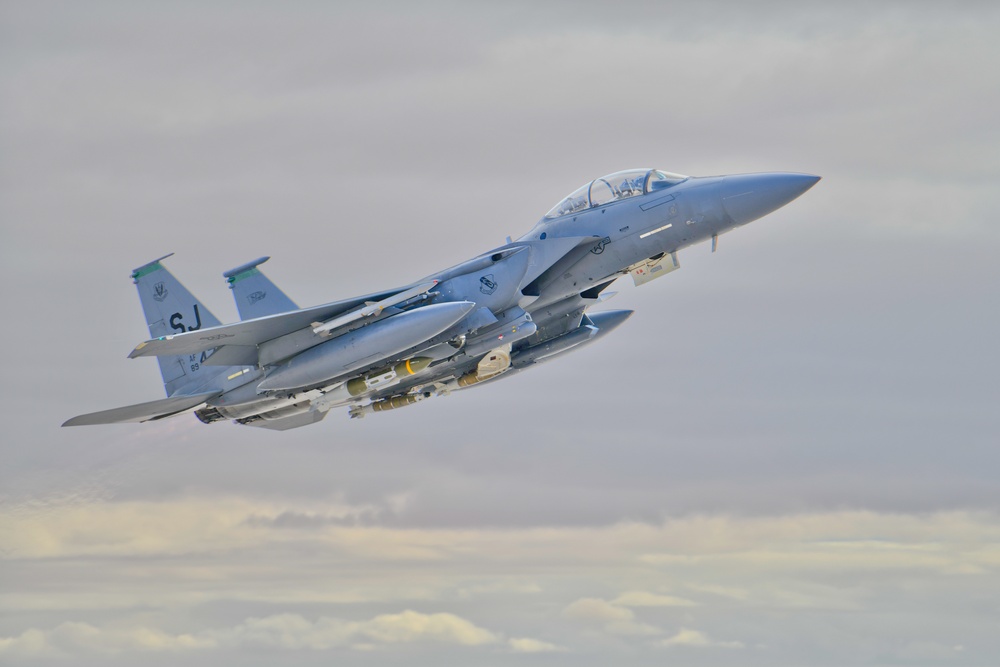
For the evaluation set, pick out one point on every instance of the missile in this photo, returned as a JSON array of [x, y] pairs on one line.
[[359, 348], [375, 308], [376, 380]]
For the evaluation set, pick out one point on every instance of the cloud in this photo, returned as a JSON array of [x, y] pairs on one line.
[[731, 592], [30, 643], [501, 587], [312, 520], [614, 619], [526, 645], [687, 637], [411, 626], [595, 609], [292, 631], [646, 599], [72, 637], [280, 631], [194, 525], [197, 549], [954, 543]]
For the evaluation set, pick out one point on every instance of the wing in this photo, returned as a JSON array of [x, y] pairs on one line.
[[143, 412]]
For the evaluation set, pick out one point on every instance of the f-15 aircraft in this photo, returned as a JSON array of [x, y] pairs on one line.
[[490, 317]]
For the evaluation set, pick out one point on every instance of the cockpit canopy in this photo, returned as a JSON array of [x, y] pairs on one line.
[[613, 187]]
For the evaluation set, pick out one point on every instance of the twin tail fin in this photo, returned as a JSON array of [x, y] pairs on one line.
[[255, 294], [171, 309]]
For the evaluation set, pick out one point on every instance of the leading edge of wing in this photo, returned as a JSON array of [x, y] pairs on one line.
[[249, 332], [142, 412]]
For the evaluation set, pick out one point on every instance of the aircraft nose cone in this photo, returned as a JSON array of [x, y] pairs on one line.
[[747, 197]]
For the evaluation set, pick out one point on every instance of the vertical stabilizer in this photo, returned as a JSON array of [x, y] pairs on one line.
[[255, 294], [171, 309]]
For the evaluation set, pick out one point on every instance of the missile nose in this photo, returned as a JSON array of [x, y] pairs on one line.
[[747, 197]]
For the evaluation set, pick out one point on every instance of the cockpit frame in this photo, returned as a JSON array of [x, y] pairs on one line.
[[613, 188]]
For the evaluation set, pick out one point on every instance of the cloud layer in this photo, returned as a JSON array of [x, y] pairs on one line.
[[712, 583]]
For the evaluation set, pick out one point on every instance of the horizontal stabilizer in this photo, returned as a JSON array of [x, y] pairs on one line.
[[374, 308], [142, 412]]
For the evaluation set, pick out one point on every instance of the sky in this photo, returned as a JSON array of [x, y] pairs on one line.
[[788, 455]]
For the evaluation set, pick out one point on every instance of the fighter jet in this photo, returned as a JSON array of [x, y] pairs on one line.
[[490, 317]]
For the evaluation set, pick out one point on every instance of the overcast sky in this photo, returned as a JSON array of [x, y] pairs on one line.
[[788, 456]]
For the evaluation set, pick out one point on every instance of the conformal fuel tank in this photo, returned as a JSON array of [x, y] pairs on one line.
[[365, 346]]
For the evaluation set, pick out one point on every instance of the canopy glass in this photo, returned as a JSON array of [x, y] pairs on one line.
[[614, 187]]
